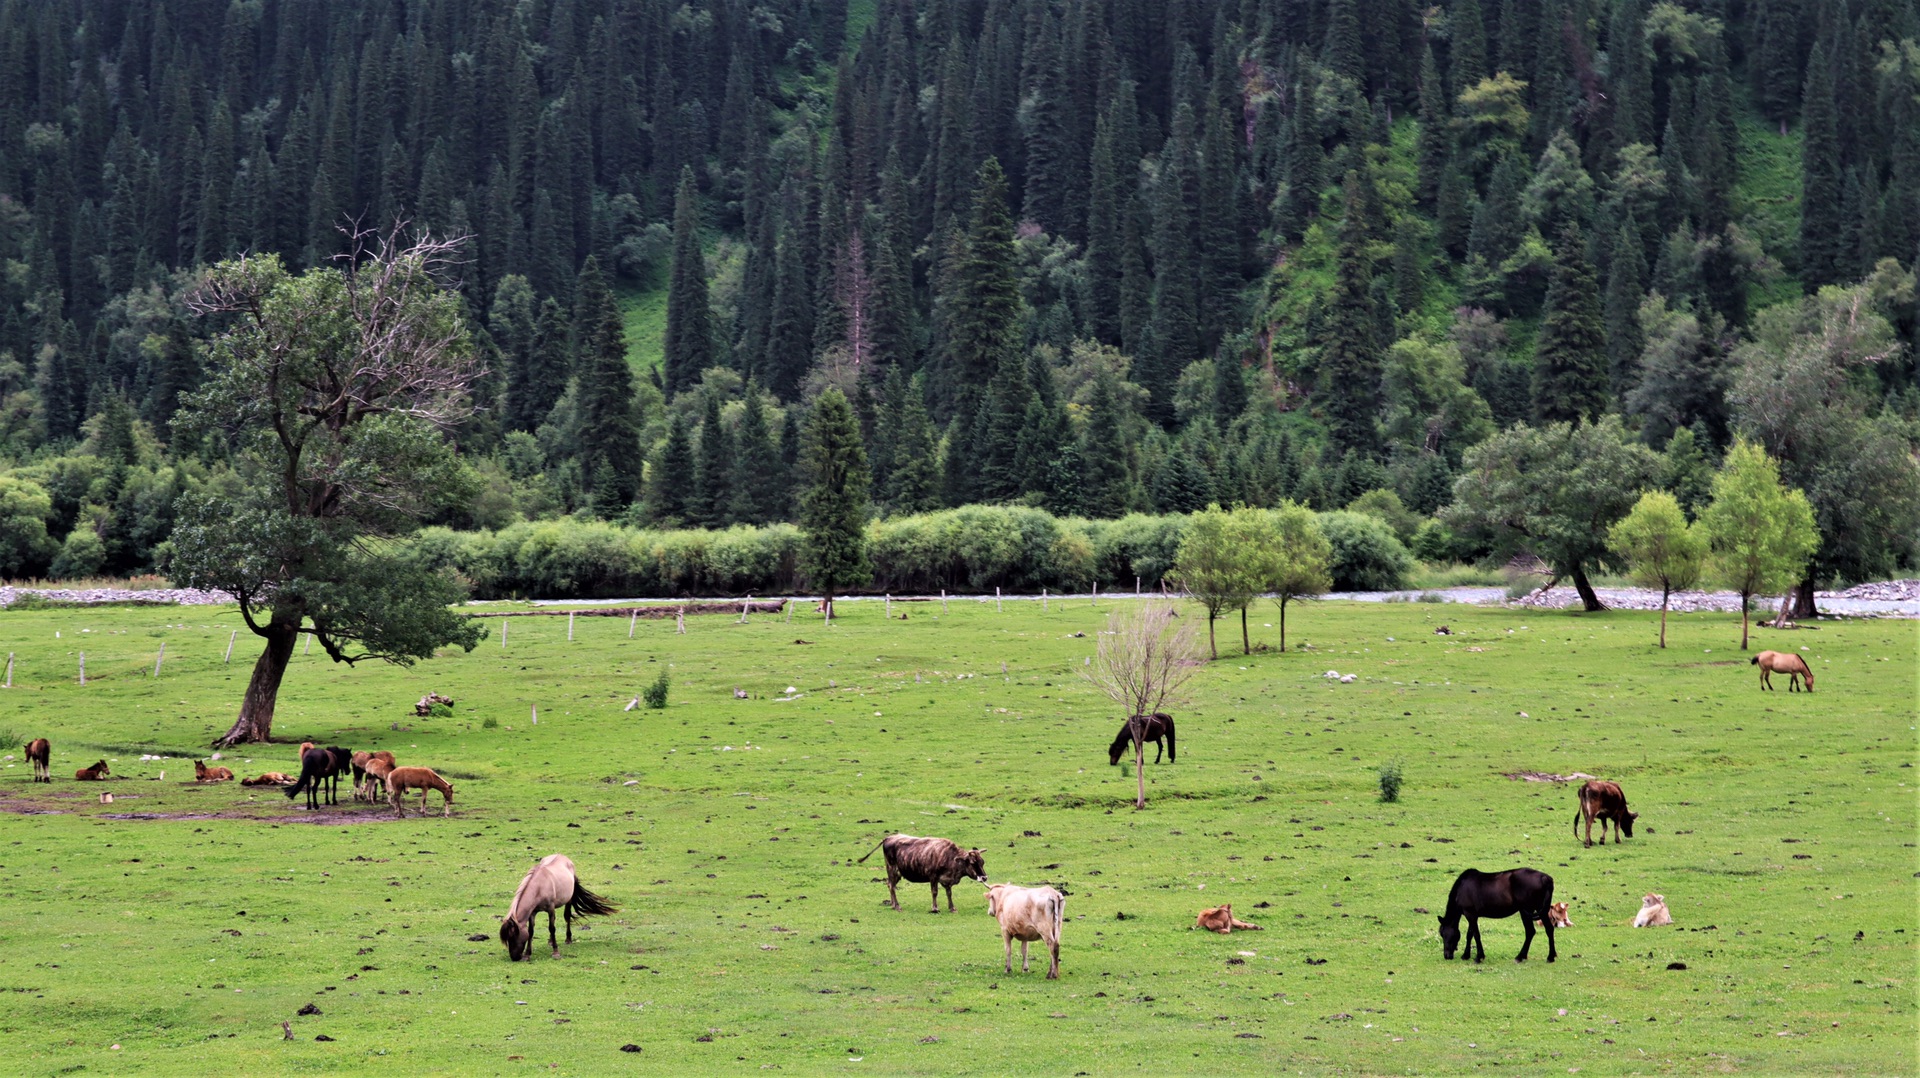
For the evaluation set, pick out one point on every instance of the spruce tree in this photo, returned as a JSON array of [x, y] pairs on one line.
[[688, 347], [913, 482], [671, 481], [1570, 357], [1822, 231], [1435, 142], [712, 499], [1180, 485], [1626, 272], [833, 504], [1229, 388], [1104, 204], [610, 429], [549, 365], [758, 481], [1467, 61], [1350, 353], [1107, 490], [1175, 335], [981, 308]]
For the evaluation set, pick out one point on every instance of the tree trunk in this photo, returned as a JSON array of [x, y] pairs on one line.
[[1283, 623], [1665, 592], [1588, 599], [1246, 645], [1138, 725], [1744, 603], [1211, 647], [1802, 599], [256, 708]]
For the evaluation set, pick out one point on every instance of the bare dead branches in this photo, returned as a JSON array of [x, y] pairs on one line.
[[1144, 658]]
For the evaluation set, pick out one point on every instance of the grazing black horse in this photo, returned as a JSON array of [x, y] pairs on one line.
[[320, 766], [1158, 725], [1477, 894]]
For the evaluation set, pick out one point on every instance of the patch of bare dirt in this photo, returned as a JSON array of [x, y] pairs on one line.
[[1545, 776]]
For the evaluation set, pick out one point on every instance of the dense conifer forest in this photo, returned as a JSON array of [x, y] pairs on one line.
[[1096, 257]]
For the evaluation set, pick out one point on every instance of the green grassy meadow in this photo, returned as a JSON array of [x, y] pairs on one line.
[[1781, 829]]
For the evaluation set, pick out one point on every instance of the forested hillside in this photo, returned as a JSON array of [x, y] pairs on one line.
[[1095, 256]]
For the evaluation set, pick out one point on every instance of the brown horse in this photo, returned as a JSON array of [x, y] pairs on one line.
[[375, 774], [402, 779], [1782, 662], [362, 783], [270, 778], [549, 885], [203, 773], [40, 754], [96, 773]]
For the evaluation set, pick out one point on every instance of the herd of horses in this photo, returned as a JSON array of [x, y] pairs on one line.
[[552, 884]]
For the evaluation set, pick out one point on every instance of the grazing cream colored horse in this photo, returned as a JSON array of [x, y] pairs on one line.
[[548, 885], [1782, 662]]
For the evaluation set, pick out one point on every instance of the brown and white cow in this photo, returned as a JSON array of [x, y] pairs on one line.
[[1027, 914], [1603, 801], [1557, 916], [936, 862]]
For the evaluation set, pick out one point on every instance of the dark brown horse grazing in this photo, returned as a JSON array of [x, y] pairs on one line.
[[1158, 725], [40, 754], [548, 885], [1477, 894]]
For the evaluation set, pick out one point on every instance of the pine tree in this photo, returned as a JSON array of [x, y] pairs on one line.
[[758, 483], [1467, 63], [1104, 205], [671, 480], [1570, 358], [610, 431], [712, 469], [1343, 54], [688, 347], [1350, 355], [1107, 490], [1631, 74], [1180, 485], [1626, 272], [1774, 62], [834, 506], [982, 304], [1435, 144], [1229, 388], [1175, 334], [1822, 231], [913, 482]]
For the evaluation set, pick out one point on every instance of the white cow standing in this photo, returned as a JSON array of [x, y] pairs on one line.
[[1027, 914]]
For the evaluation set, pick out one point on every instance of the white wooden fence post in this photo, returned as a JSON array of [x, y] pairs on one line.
[[632, 615], [309, 648], [943, 600], [160, 658], [230, 637], [9, 669], [790, 606], [889, 605], [503, 632], [1043, 600], [536, 714], [1136, 585], [996, 598], [743, 610], [569, 625], [680, 621], [83, 668]]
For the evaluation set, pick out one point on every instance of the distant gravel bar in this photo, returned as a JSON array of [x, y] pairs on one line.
[[156, 596]]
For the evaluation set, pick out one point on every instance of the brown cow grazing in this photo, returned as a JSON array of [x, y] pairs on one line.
[[1782, 662], [270, 778], [40, 754], [936, 862], [1221, 919], [1603, 801], [203, 773], [96, 773], [1027, 914]]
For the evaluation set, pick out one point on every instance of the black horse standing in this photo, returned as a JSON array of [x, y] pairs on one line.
[[317, 767], [1525, 891], [1156, 726]]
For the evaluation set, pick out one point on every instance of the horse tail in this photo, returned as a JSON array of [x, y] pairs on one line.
[[869, 853], [307, 777], [1168, 719], [586, 903]]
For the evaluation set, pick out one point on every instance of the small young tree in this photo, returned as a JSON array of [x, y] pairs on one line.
[[1660, 548], [1302, 554], [1761, 532], [1224, 561], [833, 508], [1142, 660]]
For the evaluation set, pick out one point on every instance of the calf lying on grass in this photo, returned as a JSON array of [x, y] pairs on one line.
[[1027, 914], [1221, 919], [1653, 912]]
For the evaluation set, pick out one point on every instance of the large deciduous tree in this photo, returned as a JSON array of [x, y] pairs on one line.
[[1553, 490], [333, 392], [1224, 561], [1304, 554]]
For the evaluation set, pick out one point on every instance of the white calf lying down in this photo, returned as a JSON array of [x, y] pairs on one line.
[[1027, 914], [1653, 911]]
